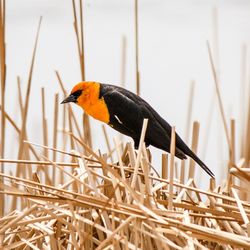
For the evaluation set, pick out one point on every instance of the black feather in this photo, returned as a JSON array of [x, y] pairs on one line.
[[127, 112]]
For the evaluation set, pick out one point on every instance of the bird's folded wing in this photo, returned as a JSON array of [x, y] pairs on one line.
[[127, 111]]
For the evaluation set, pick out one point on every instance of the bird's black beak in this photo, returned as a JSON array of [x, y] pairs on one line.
[[70, 98]]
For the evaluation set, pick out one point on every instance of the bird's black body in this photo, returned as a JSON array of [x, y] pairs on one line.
[[127, 112]]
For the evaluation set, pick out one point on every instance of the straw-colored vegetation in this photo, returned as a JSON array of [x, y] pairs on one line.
[[88, 201]]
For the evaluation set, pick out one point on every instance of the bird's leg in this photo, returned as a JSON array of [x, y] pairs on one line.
[[136, 143]]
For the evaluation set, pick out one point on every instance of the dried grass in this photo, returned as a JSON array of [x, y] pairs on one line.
[[98, 208]]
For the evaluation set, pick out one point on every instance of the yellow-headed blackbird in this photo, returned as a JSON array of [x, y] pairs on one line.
[[125, 111]]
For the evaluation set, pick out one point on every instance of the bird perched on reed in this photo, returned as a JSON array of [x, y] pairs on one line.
[[125, 111]]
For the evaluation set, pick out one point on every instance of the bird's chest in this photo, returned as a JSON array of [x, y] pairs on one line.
[[98, 110]]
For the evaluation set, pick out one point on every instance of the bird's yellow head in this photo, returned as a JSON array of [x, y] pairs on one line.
[[87, 96], [82, 93]]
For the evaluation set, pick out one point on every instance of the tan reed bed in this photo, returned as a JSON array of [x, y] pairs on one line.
[[125, 205], [81, 199]]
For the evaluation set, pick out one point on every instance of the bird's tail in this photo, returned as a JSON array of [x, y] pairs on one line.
[[181, 145], [200, 162], [191, 154]]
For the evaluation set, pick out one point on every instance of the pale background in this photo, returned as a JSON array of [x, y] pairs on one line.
[[172, 53]]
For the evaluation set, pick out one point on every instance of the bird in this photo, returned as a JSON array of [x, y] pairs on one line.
[[125, 112]]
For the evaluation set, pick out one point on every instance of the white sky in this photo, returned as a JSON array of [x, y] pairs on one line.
[[172, 53]]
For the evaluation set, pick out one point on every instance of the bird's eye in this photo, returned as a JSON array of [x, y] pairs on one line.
[[77, 93]]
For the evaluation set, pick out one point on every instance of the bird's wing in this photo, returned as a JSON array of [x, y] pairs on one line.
[[127, 112]]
